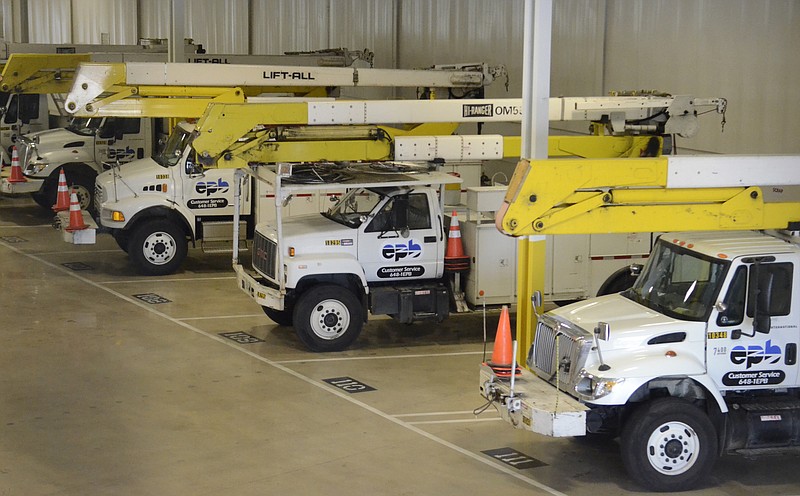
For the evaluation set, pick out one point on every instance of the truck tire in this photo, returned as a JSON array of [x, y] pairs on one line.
[[80, 184], [83, 187], [122, 238], [157, 247], [280, 317], [668, 445], [328, 318]]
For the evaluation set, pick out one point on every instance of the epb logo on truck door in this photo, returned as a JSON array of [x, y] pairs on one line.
[[755, 354], [212, 187], [401, 251]]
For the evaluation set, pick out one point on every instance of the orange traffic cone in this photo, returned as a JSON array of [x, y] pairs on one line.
[[502, 354], [62, 198], [75, 215], [454, 258], [16, 170]]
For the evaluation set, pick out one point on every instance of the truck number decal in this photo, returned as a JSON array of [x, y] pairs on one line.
[[396, 272], [399, 251], [718, 335], [719, 350]]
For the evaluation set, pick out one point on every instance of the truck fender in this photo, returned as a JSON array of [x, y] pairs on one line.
[[161, 212], [636, 384], [65, 158], [77, 168], [316, 267]]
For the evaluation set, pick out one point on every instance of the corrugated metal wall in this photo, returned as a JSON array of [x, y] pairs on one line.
[[744, 50], [741, 49]]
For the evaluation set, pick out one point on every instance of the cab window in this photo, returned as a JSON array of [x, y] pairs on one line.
[[23, 108], [777, 279], [734, 313], [403, 211]]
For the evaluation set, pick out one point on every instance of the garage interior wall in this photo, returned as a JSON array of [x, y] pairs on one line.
[[739, 49]]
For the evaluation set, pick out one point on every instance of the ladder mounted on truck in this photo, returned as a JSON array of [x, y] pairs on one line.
[[116, 89]]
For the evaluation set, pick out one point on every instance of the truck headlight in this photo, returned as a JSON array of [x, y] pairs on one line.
[[36, 166], [591, 388]]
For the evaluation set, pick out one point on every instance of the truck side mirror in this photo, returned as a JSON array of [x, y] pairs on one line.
[[400, 213], [761, 317], [760, 294], [602, 331], [536, 301], [636, 269]]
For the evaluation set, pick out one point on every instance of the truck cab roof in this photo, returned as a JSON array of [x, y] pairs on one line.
[[727, 245]]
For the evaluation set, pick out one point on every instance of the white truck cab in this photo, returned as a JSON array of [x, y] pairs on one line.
[[698, 358], [21, 114], [154, 206], [83, 149], [380, 249]]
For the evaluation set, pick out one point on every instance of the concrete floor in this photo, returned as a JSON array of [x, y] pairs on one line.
[[104, 393]]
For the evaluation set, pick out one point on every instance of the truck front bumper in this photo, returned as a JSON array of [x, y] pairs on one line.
[[262, 294], [535, 406], [29, 186]]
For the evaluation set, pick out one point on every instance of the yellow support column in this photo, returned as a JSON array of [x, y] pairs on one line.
[[531, 252]]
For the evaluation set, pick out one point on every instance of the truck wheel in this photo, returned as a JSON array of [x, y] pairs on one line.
[[668, 445], [280, 317], [157, 247], [82, 185], [328, 318]]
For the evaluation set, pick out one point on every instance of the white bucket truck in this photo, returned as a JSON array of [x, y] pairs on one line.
[[92, 143], [700, 357]]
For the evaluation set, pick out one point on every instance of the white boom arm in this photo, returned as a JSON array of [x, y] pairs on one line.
[[92, 80]]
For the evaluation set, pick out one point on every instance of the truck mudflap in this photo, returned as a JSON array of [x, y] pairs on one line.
[[262, 294], [535, 406], [29, 186]]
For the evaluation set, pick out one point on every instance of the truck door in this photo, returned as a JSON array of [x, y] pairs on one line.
[[402, 240], [24, 114], [209, 192], [121, 139], [753, 342]]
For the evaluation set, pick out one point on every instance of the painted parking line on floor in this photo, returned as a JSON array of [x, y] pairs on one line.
[[297, 375], [239, 316], [381, 357], [176, 279]]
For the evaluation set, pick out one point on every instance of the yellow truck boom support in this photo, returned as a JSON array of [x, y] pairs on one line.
[[652, 194]]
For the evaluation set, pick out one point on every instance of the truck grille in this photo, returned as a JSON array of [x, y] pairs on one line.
[[265, 255], [99, 196], [24, 153], [558, 346]]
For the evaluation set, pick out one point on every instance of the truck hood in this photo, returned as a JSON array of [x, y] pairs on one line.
[[57, 138], [134, 178], [313, 233], [633, 326]]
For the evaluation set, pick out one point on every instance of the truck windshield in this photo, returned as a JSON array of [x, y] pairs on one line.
[[678, 282], [354, 207], [85, 126], [177, 142]]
